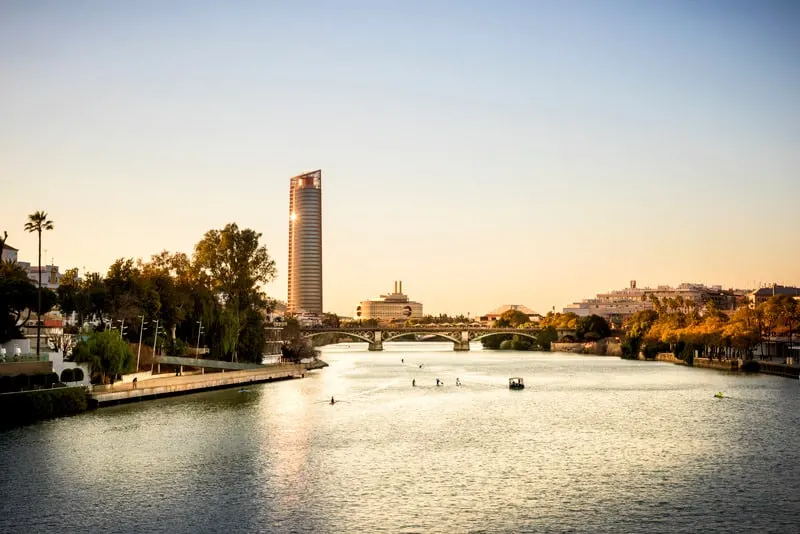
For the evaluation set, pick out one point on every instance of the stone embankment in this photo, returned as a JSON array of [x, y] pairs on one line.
[[192, 383], [603, 347], [737, 365]]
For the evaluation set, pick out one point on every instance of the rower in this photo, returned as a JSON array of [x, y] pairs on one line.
[[332, 401], [413, 382]]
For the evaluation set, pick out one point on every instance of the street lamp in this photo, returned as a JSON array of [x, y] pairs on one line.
[[199, 331], [121, 328], [155, 344], [139, 351]]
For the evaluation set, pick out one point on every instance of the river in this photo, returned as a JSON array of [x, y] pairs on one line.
[[593, 444]]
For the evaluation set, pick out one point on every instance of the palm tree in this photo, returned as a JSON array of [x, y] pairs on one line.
[[37, 222]]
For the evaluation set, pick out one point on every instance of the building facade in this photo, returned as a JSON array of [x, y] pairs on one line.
[[394, 305], [305, 244], [9, 253], [497, 312], [617, 305], [763, 294]]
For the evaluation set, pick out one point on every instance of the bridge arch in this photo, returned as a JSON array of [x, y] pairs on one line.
[[532, 337], [423, 333], [309, 335]]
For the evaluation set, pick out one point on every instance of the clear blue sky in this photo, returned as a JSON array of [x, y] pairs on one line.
[[483, 152]]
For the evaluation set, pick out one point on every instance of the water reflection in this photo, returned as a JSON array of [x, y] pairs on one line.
[[591, 445]]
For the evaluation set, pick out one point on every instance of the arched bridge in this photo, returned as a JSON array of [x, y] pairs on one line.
[[460, 336]]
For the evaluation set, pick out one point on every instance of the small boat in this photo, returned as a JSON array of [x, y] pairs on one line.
[[718, 395], [516, 383]]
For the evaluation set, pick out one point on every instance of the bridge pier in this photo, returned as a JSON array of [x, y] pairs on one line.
[[461, 345], [376, 346]]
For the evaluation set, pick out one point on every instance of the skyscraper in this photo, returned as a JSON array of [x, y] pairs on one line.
[[305, 243]]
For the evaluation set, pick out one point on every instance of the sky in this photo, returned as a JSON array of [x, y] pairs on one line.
[[483, 152]]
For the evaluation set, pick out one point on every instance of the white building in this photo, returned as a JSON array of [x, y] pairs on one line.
[[9, 253], [619, 304], [395, 305]]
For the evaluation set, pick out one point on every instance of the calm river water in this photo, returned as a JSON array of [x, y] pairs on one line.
[[592, 444]]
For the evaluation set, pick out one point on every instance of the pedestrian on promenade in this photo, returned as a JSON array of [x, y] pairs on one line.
[[135, 379]]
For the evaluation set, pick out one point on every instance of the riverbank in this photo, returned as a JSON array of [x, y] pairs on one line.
[[747, 366], [170, 385], [21, 408]]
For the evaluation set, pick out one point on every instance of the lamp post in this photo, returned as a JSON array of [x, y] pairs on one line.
[[139, 350], [155, 344], [121, 328], [199, 331]]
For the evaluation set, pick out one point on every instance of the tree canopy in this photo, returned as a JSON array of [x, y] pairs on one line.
[[221, 285], [106, 353], [18, 298]]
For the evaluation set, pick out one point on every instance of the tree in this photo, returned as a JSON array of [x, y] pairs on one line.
[[546, 337], [17, 295], [330, 320], [106, 354], [253, 337], [512, 319], [592, 327], [69, 294], [37, 222], [236, 267]]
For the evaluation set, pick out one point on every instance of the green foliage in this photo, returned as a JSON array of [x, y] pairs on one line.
[[563, 321], [22, 408], [106, 354], [546, 337], [17, 299], [651, 350], [520, 344], [221, 285], [507, 344], [511, 319], [592, 327], [630, 347], [176, 347], [297, 349], [493, 342], [253, 338]]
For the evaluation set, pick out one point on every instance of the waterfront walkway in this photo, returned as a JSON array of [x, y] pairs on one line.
[[166, 385]]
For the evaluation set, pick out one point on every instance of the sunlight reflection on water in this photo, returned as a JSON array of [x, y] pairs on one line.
[[592, 444]]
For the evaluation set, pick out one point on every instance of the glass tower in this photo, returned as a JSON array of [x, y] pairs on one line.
[[305, 244]]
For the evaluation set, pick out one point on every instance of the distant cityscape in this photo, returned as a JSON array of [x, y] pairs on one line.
[[305, 291]]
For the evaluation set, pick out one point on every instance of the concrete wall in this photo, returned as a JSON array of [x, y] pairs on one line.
[[57, 359], [668, 357], [724, 365], [604, 347], [173, 385]]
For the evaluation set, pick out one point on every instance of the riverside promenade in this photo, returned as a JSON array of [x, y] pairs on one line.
[[167, 385]]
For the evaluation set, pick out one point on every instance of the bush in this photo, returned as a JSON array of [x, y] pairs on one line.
[[6, 384], [520, 344], [630, 348], [651, 350], [506, 344], [21, 382], [22, 408]]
